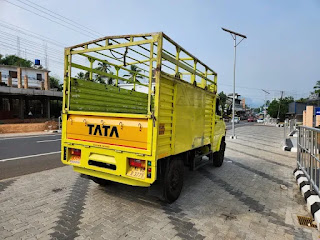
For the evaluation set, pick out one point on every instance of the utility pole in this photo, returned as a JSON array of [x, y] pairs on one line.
[[265, 103], [278, 115], [18, 46], [46, 55], [235, 44]]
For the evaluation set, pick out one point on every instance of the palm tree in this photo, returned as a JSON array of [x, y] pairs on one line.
[[99, 79], [80, 75], [102, 67], [136, 71]]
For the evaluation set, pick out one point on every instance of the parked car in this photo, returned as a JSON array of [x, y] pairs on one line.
[[251, 119], [235, 120], [260, 121]]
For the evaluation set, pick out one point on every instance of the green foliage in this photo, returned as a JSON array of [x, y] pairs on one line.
[[103, 67], [15, 61], [256, 110], [317, 87], [136, 70], [83, 76], [284, 107], [302, 100], [223, 100], [55, 83]]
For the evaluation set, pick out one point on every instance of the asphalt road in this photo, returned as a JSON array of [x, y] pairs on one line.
[[29, 154]]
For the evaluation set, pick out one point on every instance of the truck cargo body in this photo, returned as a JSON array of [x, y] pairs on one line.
[[121, 135]]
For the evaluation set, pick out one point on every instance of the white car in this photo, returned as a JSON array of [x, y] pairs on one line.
[[235, 120], [260, 120]]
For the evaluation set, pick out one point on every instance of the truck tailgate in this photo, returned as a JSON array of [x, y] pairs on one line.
[[125, 132]]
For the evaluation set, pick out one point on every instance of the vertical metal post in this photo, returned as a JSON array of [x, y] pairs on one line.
[[117, 79], [134, 81], [311, 158], [234, 85], [235, 44], [298, 148]]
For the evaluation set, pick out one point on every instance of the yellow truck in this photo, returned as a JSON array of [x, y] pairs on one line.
[[137, 109]]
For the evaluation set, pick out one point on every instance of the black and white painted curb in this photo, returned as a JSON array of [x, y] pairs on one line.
[[311, 197], [288, 146], [289, 149]]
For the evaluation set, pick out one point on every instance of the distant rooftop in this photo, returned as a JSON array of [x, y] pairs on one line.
[[13, 66]]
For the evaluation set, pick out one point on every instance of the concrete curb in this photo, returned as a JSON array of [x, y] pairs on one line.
[[288, 146], [312, 199]]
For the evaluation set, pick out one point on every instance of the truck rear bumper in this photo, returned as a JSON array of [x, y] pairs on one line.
[[111, 177]]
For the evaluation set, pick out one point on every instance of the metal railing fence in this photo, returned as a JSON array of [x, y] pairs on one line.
[[289, 126], [308, 155]]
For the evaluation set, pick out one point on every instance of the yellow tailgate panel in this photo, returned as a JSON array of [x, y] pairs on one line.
[[125, 132]]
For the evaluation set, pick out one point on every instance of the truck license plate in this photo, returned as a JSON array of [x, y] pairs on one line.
[[75, 159], [136, 172]]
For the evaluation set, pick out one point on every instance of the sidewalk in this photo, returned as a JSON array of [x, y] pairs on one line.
[[252, 196]]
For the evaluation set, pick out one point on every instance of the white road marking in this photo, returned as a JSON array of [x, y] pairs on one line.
[[29, 156], [53, 140], [32, 136]]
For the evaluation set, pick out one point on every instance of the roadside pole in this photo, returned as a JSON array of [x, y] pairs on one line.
[[234, 36]]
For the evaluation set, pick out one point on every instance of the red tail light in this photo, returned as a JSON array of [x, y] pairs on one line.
[[75, 152], [137, 163]]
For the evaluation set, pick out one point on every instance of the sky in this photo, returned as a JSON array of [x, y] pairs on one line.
[[281, 52]]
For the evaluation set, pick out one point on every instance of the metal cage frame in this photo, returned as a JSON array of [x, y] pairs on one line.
[[146, 51]]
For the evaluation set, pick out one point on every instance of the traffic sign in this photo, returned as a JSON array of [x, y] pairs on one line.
[[317, 110]]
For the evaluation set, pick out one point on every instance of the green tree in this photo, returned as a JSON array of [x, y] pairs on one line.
[[104, 67], [55, 83], [223, 100], [80, 75], [284, 107], [15, 61], [134, 71], [83, 76], [317, 87]]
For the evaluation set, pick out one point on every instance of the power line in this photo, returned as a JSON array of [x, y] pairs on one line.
[[30, 53], [48, 18], [68, 19], [31, 44], [30, 33]]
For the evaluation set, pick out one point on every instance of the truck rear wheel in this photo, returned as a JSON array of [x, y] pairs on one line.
[[218, 157], [173, 180]]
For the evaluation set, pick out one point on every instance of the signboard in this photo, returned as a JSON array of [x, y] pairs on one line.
[[317, 110]]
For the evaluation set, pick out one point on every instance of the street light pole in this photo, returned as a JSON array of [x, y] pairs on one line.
[[234, 36], [265, 103]]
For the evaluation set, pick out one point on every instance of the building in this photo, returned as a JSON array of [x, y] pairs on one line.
[[26, 93], [296, 110], [240, 108]]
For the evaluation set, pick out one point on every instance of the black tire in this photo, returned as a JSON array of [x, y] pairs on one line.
[[218, 157], [100, 181], [173, 180]]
